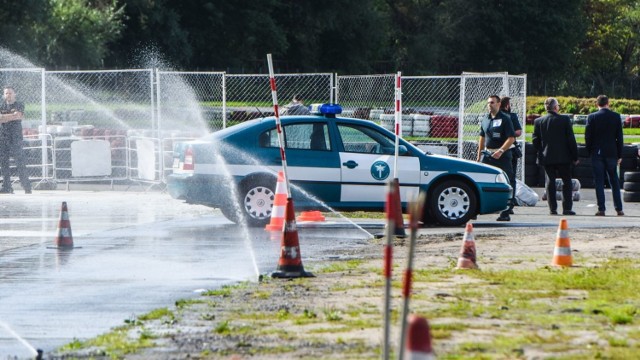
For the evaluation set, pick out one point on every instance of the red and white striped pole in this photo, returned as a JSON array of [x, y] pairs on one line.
[[388, 262], [415, 214], [274, 95], [398, 121]]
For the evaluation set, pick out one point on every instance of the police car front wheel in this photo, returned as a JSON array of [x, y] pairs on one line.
[[452, 203]]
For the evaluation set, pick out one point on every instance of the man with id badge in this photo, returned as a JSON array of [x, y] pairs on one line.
[[496, 137]]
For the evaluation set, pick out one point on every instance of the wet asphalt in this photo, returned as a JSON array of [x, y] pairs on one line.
[[135, 251]]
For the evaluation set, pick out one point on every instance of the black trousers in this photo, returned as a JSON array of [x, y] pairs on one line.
[[505, 164], [11, 146], [562, 171]]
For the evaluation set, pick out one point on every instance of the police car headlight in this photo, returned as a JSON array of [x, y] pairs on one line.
[[502, 178]]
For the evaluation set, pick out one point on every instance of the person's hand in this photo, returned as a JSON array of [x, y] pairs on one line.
[[497, 154], [576, 162]]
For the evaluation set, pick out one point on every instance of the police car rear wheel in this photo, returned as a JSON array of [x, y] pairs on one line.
[[256, 198], [452, 203]]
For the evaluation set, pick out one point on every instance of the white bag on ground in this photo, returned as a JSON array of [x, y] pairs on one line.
[[575, 192], [525, 196]]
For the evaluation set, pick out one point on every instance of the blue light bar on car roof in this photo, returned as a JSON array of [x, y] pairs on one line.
[[326, 109]]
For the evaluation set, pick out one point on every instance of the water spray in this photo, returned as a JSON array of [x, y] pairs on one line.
[[32, 350]]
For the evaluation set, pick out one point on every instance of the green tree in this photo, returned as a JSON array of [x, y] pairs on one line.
[[535, 36], [153, 35], [21, 27], [78, 32], [611, 50], [414, 35]]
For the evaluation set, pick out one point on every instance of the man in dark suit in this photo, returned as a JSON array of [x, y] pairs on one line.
[[556, 146], [603, 138]]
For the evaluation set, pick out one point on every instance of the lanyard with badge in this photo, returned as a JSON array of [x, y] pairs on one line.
[[495, 125]]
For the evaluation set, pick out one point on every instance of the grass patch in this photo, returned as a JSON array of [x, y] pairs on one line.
[[341, 266], [156, 314], [116, 343]]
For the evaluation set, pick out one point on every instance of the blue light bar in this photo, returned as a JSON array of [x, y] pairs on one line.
[[326, 109]]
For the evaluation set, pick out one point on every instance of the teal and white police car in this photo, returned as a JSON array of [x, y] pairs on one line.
[[332, 162]]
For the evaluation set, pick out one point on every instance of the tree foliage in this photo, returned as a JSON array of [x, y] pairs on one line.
[[78, 32]]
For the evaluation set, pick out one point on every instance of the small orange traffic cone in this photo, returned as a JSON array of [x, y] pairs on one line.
[[64, 238], [399, 228], [279, 205], [562, 251], [310, 216], [467, 259], [290, 263], [418, 343]]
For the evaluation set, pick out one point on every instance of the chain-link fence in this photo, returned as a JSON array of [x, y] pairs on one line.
[[432, 106], [366, 96], [518, 94], [130, 115], [249, 96], [93, 112], [190, 102]]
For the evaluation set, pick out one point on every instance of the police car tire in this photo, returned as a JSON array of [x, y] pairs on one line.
[[438, 206], [249, 188]]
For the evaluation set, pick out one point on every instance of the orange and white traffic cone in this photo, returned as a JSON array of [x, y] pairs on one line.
[[418, 345], [467, 259], [562, 251], [64, 239], [315, 216], [278, 210], [290, 263]]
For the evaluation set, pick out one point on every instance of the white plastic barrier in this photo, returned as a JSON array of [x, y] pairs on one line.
[[144, 155], [90, 158]]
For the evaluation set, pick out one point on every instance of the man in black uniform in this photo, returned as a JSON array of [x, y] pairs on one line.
[[496, 137], [516, 151], [11, 114]]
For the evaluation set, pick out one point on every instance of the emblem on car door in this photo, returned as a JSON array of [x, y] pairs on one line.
[[380, 170]]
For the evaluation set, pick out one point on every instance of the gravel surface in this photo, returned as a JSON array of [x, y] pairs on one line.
[[338, 313]]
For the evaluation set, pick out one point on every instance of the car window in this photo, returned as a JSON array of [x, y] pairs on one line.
[[306, 136], [269, 138], [362, 139]]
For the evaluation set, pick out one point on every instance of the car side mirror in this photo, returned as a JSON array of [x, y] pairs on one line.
[[390, 150]]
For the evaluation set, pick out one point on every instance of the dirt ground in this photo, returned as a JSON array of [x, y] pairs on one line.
[[338, 313]]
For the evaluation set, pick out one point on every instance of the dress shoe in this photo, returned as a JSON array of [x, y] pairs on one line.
[[600, 213], [568, 212], [504, 218], [6, 191], [553, 212], [620, 212]]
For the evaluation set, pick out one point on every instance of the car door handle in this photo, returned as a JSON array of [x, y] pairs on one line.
[[350, 164]]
